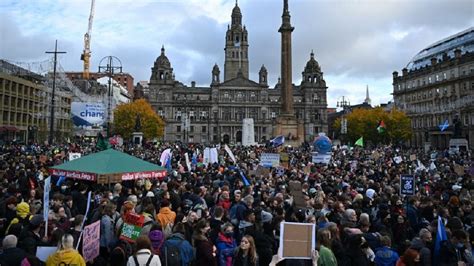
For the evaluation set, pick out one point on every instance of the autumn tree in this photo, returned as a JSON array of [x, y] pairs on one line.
[[364, 122], [125, 117]]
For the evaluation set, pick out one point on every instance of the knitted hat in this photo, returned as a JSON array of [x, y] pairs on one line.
[[157, 238]]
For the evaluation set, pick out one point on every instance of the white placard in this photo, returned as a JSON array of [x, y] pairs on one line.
[[321, 158], [270, 159]]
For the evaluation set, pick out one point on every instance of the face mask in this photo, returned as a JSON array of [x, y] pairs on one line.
[[229, 234], [111, 197], [63, 187]]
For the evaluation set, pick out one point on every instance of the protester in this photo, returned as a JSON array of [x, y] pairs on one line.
[[246, 253], [12, 255], [66, 254], [144, 256], [205, 250]]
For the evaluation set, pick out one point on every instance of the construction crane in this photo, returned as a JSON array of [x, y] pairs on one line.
[[86, 55]]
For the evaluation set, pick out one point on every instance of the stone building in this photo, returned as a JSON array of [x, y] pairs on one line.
[[436, 86], [214, 114]]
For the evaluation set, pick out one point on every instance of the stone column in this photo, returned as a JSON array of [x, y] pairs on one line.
[[286, 77]]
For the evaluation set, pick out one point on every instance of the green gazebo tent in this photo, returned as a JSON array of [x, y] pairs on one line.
[[108, 166]]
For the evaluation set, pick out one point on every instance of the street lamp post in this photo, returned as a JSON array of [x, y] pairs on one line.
[[343, 104], [51, 123], [112, 63]]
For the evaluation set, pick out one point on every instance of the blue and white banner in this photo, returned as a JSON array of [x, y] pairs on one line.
[[47, 189], [270, 159], [88, 114]]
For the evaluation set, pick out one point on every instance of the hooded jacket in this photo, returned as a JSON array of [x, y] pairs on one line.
[[68, 257], [425, 252], [385, 256], [165, 217], [22, 212]]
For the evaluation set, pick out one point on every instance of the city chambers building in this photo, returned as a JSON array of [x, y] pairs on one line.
[[214, 114], [437, 86]]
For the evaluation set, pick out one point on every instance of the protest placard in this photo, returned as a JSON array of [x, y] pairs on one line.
[[284, 157], [91, 241], [297, 193], [321, 158], [74, 156], [459, 169], [270, 159], [297, 240], [413, 157], [407, 185], [132, 226], [42, 253]]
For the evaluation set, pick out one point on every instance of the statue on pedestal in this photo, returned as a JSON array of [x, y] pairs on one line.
[[138, 124]]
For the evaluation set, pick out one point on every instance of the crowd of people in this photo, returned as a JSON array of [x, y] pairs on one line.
[[229, 213]]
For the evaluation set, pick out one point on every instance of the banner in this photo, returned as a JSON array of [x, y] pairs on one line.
[[270, 159], [231, 155], [88, 114], [407, 185], [321, 158], [47, 189], [91, 241], [132, 226], [42, 253]]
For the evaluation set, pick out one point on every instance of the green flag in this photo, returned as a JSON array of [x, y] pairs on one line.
[[102, 143], [360, 142]]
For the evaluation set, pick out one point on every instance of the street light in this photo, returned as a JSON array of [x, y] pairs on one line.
[[344, 105], [112, 64]]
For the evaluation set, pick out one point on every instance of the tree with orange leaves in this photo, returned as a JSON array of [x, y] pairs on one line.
[[125, 118]]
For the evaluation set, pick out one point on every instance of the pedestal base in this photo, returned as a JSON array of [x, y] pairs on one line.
[[291, 128], [137, 138]]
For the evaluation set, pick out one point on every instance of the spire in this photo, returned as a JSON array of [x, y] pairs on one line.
[[367, 98], [236, 15], [312, 54], [163, 50], [286, 24]]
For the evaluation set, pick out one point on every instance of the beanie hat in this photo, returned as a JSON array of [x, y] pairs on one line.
[[157, 238]]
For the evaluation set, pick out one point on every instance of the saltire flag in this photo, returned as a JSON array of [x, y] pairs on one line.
[[381, 127], [244, 179], [444, 126], [360, 142], [194, 160], [278, 141], [60, 181], [440, 237], [231, 155]]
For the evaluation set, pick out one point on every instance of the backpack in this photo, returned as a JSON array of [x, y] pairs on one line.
[[147, 262], [171, 255]]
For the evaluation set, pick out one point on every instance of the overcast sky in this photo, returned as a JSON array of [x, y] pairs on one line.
[[356, 42]]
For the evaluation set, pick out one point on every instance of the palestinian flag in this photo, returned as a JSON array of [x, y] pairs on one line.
[[381, 127]]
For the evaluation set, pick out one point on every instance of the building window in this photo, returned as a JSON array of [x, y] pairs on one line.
[[203, 129], [264, 130], [273, 114], [429, 80], [178, 128], [214, 129], [191, 128]]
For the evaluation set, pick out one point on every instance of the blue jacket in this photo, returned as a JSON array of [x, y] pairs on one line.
[[413, 218], [185, 249], [385, 256], [225, 250], [107, 232]]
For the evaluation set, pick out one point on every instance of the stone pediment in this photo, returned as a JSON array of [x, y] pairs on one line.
[[239, 81]]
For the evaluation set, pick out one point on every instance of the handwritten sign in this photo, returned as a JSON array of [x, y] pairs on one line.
[[132, 226], [74, 156], [91, 241]]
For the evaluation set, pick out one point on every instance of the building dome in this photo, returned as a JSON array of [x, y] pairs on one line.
[[236, 11], [162, 60], [463, 41], [312, 65]]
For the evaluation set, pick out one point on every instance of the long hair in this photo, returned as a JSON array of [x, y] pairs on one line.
[[252, 253]]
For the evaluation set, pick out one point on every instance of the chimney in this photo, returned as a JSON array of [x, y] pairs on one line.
[[395, 74], [193, 84], [445, 57], [405, 71], [457, 53]]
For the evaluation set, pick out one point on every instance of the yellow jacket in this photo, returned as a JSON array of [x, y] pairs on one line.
[[69, 257]]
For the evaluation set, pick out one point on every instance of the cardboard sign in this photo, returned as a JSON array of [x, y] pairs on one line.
[[284, 157], [297, 240], [307, 169], [413, 157], [270, 159], [297, 193], [132, 226], [321, 158], [375, 156], [407, 185], [459, 169], [262, 171], [91, 241]]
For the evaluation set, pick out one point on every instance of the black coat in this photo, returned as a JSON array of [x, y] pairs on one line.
[[12, 256]]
